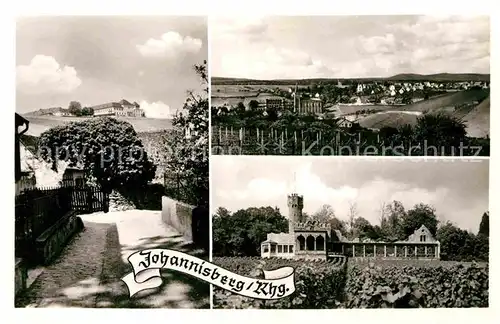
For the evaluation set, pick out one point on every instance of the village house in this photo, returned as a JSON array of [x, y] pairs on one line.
[[344, 123]]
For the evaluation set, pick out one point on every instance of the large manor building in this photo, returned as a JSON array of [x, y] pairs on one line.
[[123, 108], [312, 240]]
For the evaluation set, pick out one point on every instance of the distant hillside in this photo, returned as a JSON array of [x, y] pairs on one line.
[[452, 77], [448, 100], [400, 77], [40, 124], [478, 120]]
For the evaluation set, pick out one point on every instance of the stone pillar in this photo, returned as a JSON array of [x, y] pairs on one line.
[[364, 251], [342, 248], [406, 251], [438, 250], [374, 251], [416, 250], [425, 251], [315, 243], [395, 251], [353, 250], [385, 251]]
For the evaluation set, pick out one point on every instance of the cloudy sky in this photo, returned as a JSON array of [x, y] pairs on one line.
[[457, 189], [96, 60], [348, 46]]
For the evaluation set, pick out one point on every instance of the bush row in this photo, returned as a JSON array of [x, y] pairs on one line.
[[323, 285]]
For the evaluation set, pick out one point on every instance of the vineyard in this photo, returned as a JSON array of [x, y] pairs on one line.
[[364, 284], [244, 141]]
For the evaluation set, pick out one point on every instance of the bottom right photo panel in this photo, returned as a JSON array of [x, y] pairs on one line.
[[357, 232]]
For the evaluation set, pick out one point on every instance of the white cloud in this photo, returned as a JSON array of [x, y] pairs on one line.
[[156, 109], [378, 44], [273, 192], [170, 45], [242, 26], [45, 75], [272, 62]]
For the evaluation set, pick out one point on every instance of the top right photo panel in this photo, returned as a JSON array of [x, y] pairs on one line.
[[350, 85]]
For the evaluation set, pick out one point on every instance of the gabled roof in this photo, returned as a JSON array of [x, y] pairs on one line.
[[125, 102]]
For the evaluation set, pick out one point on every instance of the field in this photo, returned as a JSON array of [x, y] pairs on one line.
[[478, 120], [365, 284], [388, 119], [40, 124], [448, 100]]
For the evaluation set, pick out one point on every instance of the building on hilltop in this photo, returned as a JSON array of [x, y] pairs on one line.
[[123, 108], [314, 240], [54, 111]]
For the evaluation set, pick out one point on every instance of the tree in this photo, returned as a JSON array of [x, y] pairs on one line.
[[353, 213], [253, 105], [240, 108], [420, 214], [362, 228], [392, 224], [75, 108], [186, 148], [460, 245], [241, 233], [324, 214], [440, 130], [108, 150], [484, 226], [87, 111]]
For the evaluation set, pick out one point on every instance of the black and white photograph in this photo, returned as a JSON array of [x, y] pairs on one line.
[[387, 85], [359, 232], [111, 157]]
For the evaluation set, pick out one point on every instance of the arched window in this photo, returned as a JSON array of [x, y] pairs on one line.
[[310, 243], [302, 242], [320, 243]]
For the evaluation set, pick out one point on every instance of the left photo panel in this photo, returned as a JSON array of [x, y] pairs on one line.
[[111, 162]]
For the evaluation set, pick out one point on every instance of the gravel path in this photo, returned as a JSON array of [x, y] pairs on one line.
[[88, 272]]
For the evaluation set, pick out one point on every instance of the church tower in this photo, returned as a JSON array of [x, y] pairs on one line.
[[295, 205]]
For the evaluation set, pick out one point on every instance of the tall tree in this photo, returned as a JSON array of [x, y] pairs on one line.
[[351, 216], [420, 214], [186, 152], [75, 108], [392, 225], [484, 226]]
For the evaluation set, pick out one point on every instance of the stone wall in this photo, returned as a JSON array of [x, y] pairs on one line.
[[54, 239], [178, 215], [20, 276]]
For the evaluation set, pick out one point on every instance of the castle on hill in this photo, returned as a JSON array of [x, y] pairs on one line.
[[317, 241]]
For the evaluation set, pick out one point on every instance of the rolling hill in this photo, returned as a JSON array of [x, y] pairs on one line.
[[450, 77], [478, 120], [448, 100], [40, 124], [475, 115]]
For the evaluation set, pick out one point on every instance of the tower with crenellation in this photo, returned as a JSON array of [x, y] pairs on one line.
[[295, 206]]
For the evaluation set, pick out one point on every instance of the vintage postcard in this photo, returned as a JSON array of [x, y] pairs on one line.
[[351, 85], [358, 233], [110, 112]]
